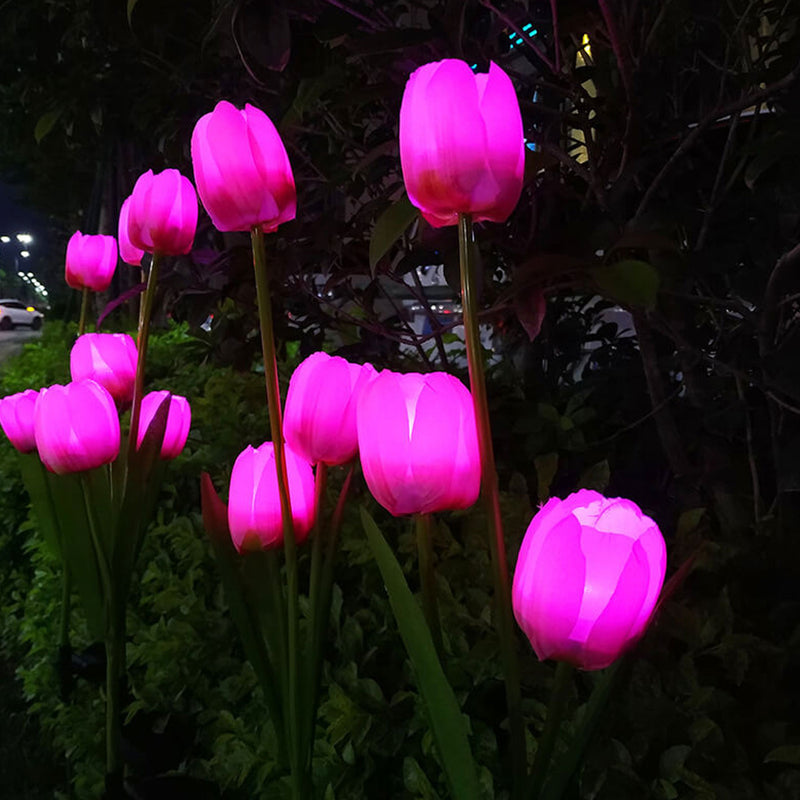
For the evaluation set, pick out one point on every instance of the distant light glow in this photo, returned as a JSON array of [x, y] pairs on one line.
[[5, 239], [24, 253], [24, 238]]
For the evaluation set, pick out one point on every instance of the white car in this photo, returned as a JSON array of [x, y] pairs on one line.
[[12, 313]]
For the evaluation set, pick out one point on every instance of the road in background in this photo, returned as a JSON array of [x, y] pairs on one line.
[[11, 341]]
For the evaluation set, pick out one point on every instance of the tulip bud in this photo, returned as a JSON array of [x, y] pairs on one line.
[[179, 420], [320, 419], [127, 252], [16, 419], [461, 144], [91, 261], [254, 507], [242, 172], [76, 427], [163, 213], [418, 442], [588, 575], [109, 359]]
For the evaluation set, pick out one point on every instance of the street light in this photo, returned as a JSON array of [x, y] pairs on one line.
[[24, 238], [24, 253], [5, 239]]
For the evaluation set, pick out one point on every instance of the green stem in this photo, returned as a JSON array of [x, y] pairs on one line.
[[113, 645], [66, 594], [84, 311], [289, 543], [562, 681], [491, 499], [309, 667], [141, 346], [427, 574]]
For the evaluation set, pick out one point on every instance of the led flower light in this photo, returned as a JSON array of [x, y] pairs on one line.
[[179, 420], [162, 215], [242, 172], [127, 252], [320, 419], [76, 427], [587, 579], [418, 442], [254, 509], [109, 359], [16, 419], [91, 261], [462, 148]]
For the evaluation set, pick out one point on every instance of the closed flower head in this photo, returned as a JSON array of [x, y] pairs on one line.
[[320, 419], [418, 442], [16, 419], [179, 420], [109, 359], [242, 172], [91, 261], [162, 216], [76, 427], [588, 575], [254, 508], [461, 143]]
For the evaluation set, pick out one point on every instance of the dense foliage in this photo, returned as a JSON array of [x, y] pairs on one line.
[[664, 179]]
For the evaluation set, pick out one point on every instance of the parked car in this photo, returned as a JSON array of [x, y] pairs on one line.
[[13, 312]]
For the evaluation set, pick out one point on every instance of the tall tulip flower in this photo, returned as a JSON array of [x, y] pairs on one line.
[[109, 359], [76, 427], [461, 144], [127, 252], [254, 509], [162, 215], [91, 261], [587, 578], [320, 418], [418, 442], [242, 172], [179, 420], [16, 419]]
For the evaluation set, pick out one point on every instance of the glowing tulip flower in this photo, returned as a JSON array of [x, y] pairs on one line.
[[16, 419], [91, 261], [320, 419], [254, 508], [587, 578], [461, 143], [76, 427], [127, 252], [242, 172], [179, 420], [162, 215], [109, 359], [418, 442]]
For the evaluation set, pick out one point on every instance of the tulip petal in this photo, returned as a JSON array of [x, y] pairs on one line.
[[611, 631], [548, 591], [499, 109]]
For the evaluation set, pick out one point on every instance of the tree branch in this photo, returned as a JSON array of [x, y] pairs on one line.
[[717, 113]]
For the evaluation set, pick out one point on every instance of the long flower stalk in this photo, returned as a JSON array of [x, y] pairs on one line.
[[427, 575], [115, 653], [294, 728], [141, 347], [491, 499]]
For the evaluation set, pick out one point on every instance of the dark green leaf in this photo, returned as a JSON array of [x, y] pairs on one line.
[[45, 124], [215, 521], [632, 282], [786, 754], [563, 769], [445, 718], [389, 227]]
